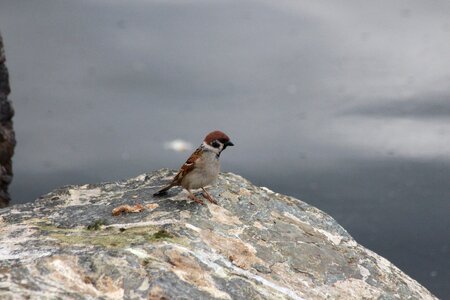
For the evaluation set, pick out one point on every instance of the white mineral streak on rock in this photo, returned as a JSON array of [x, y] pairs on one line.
[[141, 177], [145, 285], [351, 243], [210, 259], [138, 252], [294, 218], [192, 227], [364, 272], [64, 274], [335, 239], [280, 289], [236, 231], [13, 237], [267, 190], [143, 224], [259, 225], [183, 264]]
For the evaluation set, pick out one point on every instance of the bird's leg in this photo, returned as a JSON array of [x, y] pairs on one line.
[[192, 197], [208, 196]]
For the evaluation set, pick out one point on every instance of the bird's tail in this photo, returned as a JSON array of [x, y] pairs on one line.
[[163, 191]]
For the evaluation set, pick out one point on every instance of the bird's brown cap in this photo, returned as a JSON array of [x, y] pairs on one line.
[[217, 135]]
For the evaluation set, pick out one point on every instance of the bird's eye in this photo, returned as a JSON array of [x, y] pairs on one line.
[[215, 144]]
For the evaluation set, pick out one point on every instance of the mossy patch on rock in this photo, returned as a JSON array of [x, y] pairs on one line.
[[161, 234], [96, 225], [109, 237]]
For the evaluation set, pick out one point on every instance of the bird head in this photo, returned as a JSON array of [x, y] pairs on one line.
[[217, 141]]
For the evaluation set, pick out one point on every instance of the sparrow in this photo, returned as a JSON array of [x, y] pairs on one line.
[[202, 167]]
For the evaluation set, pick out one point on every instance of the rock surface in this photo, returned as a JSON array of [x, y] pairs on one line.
[[256, 244], [7, 137]]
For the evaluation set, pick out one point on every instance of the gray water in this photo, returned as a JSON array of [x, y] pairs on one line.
[[343, 104]]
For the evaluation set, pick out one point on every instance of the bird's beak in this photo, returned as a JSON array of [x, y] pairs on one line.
[[229, 144]]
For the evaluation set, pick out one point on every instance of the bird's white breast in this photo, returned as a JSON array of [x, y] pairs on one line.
[[205, 172]]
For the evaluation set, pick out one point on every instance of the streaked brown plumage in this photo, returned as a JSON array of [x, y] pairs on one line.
[[202, 167]]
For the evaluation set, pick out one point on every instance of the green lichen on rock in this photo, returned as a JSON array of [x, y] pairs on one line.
[[96, 225], [161, 235], [256, 244], [109, 237]]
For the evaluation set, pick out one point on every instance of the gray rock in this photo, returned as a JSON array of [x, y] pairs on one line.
[[256, 244], [7, 137]]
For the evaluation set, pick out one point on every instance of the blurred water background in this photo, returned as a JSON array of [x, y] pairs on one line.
[[343, 104]]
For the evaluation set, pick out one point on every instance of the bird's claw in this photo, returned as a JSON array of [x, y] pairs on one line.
[[209, 198], [192, 197]]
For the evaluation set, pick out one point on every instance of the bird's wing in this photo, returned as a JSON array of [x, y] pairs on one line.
[[188, 166]]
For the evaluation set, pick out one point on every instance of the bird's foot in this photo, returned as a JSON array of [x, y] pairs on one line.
[[209, 197], [192, 197]]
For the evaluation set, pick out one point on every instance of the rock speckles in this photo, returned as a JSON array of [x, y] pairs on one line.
[[256, 245]]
